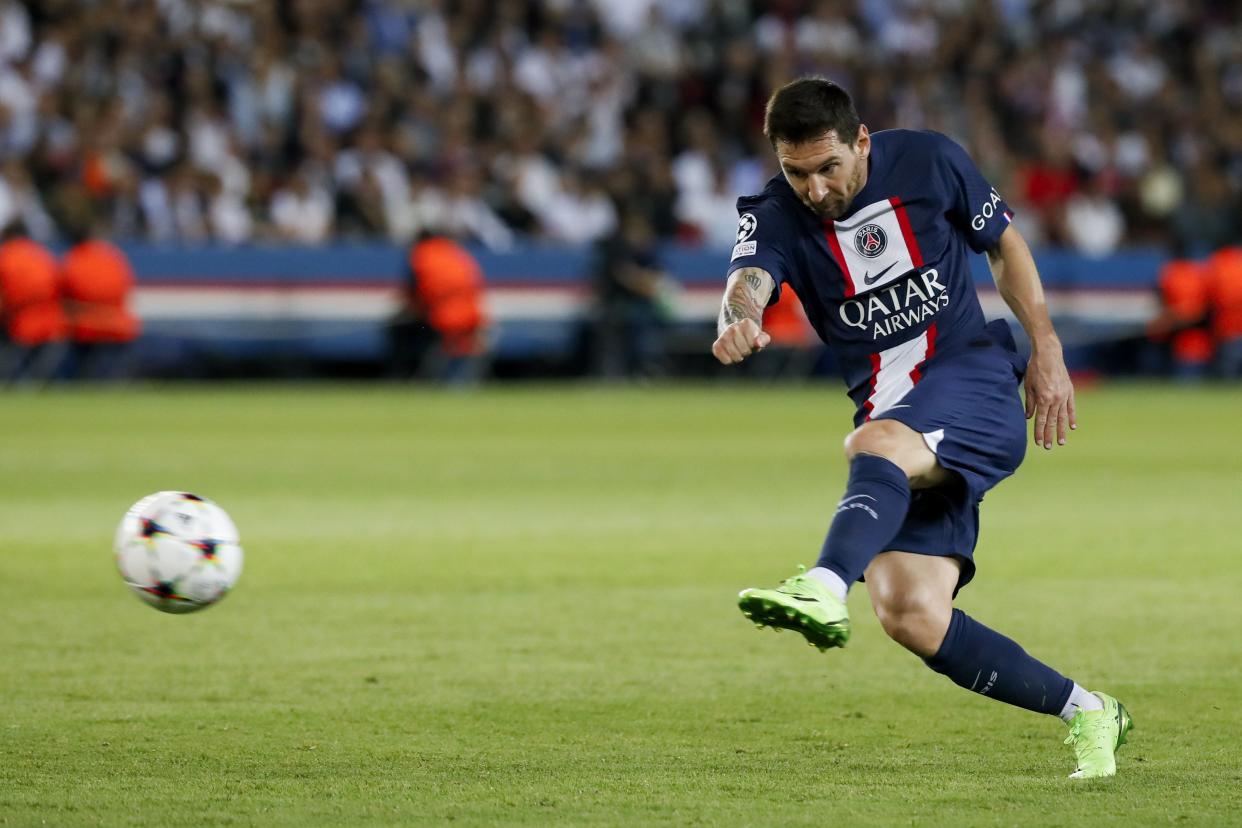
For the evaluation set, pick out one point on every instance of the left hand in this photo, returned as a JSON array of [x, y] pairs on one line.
[[1049, 395]]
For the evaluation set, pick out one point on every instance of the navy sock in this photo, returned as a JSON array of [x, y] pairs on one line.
[[983, 660], [873, 508]]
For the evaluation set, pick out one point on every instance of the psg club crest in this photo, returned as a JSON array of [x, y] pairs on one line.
[[746, 225], [870, 240]]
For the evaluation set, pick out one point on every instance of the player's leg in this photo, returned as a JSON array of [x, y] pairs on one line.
[[886, 459], [913, 597]]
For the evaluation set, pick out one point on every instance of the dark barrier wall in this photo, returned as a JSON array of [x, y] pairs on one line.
[[332, 302], [375, 264]]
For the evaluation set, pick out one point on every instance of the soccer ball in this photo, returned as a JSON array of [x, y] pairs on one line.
[[178, 552]]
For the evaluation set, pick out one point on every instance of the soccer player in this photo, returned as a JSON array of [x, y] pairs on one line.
[[874, 232]]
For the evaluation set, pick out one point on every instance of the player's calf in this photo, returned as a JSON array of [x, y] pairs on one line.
[[912, 595]]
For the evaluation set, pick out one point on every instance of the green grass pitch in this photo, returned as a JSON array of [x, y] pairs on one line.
[[517, 607]]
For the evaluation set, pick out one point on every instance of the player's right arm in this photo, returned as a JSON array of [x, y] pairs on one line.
[[739, 328]]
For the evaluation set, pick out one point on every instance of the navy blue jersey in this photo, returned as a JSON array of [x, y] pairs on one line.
[[888, 284]]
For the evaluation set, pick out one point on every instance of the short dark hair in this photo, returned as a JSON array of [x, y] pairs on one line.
[[806, 109]]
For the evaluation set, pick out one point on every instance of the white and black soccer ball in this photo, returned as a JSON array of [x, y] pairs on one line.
[[178, 552]]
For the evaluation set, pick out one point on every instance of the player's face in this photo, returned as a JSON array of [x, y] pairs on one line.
[[826, 173]]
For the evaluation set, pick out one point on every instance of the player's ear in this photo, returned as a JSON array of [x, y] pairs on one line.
[[862, 145]]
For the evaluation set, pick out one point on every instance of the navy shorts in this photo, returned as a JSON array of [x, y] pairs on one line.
[[968, 408]]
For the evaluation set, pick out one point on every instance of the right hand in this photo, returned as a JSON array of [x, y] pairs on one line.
[[1049, 394], [738, 341]]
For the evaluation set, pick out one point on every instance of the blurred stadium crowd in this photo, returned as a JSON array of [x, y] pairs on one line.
[[1104, 123]]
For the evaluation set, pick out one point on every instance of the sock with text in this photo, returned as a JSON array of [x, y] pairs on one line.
[[983, 660], [868, 516]]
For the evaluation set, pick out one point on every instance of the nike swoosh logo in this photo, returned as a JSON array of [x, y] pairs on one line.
[[868, 279], [854, 497]]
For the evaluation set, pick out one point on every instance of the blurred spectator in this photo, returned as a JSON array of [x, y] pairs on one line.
[[20, 202], [228, 218], [303, 211], [15, 35], [370, 182], [98, 283], [656, 48], [692, 167], [580, 212], [440, 331], [1209, 218], [1160, 193], [630, 315], [709, 215], [407, 217], [827, 34], [1094, 224], [1048, 181], [463, 212], [299, 121], [35, 328]]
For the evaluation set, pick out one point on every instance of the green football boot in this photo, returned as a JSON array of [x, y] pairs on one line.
[[1096, 735], [803, 604]]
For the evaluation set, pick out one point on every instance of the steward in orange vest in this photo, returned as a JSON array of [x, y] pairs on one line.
[[448, 293], [1182, 321], [35, 325], [30, 292], [98, 282], [441, 329], [1224, 296]]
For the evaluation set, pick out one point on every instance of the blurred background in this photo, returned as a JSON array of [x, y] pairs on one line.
[[472, 191]]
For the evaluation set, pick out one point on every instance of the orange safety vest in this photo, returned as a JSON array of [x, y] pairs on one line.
[[1224, 291], [30, 294], [97, 283], [448, 286], [786, 321], [1184, 291]]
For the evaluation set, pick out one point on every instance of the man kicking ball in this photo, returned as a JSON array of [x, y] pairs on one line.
[[873, 232]]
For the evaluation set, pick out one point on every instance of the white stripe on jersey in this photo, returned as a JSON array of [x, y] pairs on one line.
[[896, 371]]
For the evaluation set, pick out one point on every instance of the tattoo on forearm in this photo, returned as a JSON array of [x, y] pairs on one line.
[[745, 297], [739, 307]]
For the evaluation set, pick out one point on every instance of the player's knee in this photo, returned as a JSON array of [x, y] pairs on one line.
[[916, 622], [883, 438], [900, 445]]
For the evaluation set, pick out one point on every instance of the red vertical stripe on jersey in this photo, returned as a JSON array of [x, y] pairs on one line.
[[912, 244], [917, 373], [834, 246], [868, 405]]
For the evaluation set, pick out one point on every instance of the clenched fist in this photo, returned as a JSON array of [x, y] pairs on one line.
[[738, 341]]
